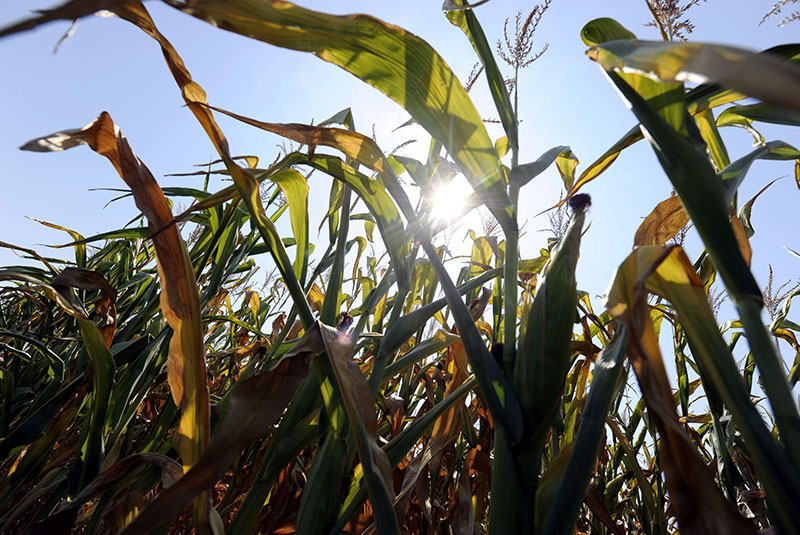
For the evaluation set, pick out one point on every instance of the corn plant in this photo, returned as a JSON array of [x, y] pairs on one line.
[[147, 387]]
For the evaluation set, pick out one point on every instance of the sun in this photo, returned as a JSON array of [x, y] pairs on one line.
[[447, 201]]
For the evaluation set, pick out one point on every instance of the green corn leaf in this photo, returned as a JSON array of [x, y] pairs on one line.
[[468, 22], [733, 175], [295, 189], [760, 113], [522, 174], [703, 196], [708, 130], [579, 469], [396, 62], [760, 76], [544, 352]]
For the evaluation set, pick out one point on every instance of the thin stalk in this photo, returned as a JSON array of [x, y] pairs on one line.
[[511, 259], [510, 297]]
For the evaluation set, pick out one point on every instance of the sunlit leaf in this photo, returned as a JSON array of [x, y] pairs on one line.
[[663, 223], [760, 76]]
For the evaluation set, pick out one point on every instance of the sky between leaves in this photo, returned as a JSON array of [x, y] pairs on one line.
[[564, 99]]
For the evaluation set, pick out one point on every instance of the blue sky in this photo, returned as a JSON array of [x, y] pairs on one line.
[[564, 99]]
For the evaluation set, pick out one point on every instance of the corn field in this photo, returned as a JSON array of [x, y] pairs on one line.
[[148, 385]]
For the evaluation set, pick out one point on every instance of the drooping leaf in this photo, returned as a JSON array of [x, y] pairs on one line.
[[734, 174], [522, 174], [666, 271], [760, 113], [357, 401], [254, 405], [180, 300], [78, 242]]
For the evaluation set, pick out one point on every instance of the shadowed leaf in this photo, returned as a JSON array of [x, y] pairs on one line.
[[255, 404], [696, 500]]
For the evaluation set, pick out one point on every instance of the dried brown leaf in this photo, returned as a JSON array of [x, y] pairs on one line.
[[663, 223]]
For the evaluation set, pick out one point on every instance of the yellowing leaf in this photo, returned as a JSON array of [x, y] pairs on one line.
[[696, 500], [663, 223], [180, 300]]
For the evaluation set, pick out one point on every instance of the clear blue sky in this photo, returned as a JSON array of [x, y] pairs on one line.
[[564, 99]]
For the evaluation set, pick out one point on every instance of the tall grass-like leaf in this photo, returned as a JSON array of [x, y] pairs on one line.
[[578, 471], [295, 189], [179, 297], [695, 498], [467, 21], [702, 194], [398, 63], [667, 272], [710, 133]]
